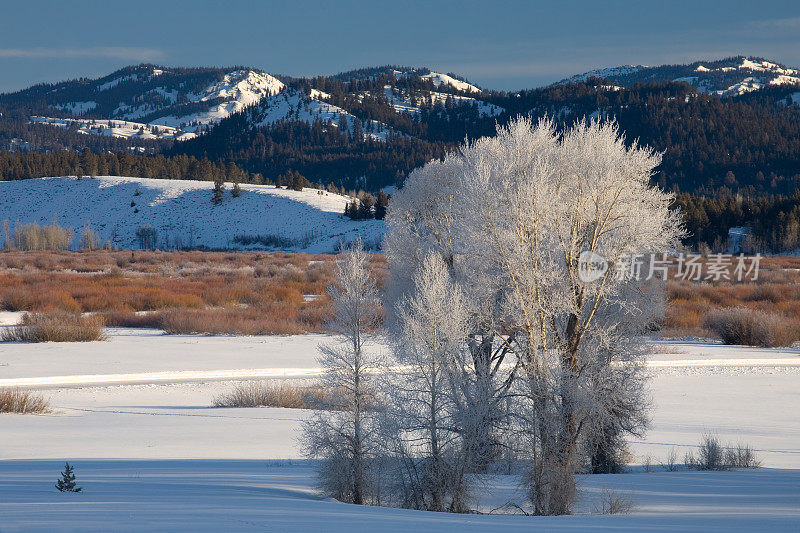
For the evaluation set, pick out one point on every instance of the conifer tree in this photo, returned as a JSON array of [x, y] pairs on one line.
[[380, 205], [219, 188], [67, 481]]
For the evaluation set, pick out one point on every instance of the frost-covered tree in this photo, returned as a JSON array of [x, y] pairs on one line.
[[512, 221], [434, 426], [346, 439], [423, 220]]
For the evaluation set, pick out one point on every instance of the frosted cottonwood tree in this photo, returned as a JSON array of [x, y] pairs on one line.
[[346, 439], [529, 202], [423, 220], [434, 426]]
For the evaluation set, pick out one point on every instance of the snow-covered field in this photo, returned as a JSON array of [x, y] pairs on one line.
[[134, 415], [182, 213]]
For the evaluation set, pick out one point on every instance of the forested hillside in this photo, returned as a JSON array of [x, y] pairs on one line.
[[728, 130]]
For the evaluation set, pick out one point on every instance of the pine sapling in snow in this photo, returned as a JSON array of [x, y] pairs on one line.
[[67, 481]]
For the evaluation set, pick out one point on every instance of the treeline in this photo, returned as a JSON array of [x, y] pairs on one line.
[[365, 206], [18, 165], [749, 143], [45, 139], [320, 151], [774, 221]]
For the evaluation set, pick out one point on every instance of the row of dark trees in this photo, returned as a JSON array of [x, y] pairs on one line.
[[323, 152], [365, 206], [18, 165], [774, 221]]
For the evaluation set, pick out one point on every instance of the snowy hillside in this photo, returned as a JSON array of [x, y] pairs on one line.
[[403, 103], [610, 72], [726, 77], [183, 215], [185, 99], [237, 90], [296, 105], [116, 128], [440, 79]]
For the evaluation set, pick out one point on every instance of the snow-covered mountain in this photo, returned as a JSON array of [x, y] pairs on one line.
[[726, 77], [406, 103], [183, 100], [181, 211], [437, 78], [297, 105]]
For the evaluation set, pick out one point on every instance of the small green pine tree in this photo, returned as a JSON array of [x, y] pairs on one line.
[[237, 190], [67, 481]]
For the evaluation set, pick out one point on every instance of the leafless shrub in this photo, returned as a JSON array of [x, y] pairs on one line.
[[131, 319], [56, 327], [671, 464], [23, 402], [741, 456], [275, 394], [741, 325], [647, 463], [712, 455], [612, 502]]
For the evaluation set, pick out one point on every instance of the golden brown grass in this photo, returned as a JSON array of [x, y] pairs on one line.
[[58, 326], [752, 327], [775, 292], [180, 292], [24, 402], [275, 394]]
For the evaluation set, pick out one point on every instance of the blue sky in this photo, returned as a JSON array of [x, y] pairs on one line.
[[499, 45]]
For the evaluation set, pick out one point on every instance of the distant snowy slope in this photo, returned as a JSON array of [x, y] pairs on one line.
[[236, 91], [296, 105], [183, 215], [726, 77], [611, 72], [402, 103], [184, 99], [116, 128], [440, 79]]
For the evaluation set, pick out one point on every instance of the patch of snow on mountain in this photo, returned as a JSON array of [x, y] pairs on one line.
[[237, 90], [293, 105], [766, 66], [745, 86], [116, 128], [171, 96], [116, 81], [182, 213], [796, 98], [402, 103], [76, 108], [701, 68], [783, 79], [246, 87], [438, 79], [604, 73]]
